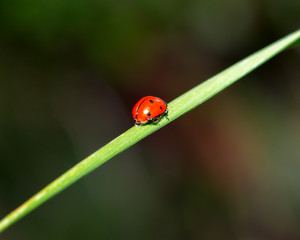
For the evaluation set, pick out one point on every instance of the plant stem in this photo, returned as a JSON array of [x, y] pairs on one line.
[[177, 107]]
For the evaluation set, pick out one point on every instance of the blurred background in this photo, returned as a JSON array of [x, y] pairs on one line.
[[70, 73]]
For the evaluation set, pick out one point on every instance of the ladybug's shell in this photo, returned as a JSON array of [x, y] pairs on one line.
[[148, 108]]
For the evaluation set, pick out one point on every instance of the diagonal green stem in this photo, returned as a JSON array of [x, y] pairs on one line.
[[177, 107]]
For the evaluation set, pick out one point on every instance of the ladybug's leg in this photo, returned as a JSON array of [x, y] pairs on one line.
[[137, 123], [150, 119], [166, 113], [156, 119]]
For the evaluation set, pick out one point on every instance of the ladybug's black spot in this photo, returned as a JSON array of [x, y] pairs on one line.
[[148, 114], [160, 107], [151, 101]]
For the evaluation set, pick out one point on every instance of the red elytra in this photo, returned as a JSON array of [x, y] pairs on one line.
[[149, 109]]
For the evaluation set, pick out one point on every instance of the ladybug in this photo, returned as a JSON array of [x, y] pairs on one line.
[[149, 109]]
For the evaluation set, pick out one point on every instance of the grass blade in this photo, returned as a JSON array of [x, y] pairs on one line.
[[178, 107]]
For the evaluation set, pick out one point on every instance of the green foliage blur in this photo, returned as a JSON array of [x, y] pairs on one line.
[[70, 73]]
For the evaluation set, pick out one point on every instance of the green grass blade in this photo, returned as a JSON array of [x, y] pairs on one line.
[[178, 107]]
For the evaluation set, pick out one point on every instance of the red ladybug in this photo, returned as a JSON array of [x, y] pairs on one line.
[[149, 109]]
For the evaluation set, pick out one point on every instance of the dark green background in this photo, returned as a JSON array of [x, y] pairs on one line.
[[70, 73]]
